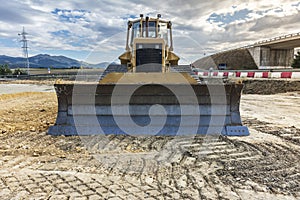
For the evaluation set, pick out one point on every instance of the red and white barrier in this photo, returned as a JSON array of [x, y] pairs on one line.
[[266, 74], [275, 75], [296, 75], [258, 75], [250, 74], [286, 74]]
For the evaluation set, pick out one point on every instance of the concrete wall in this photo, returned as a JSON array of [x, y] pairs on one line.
[[265, 56], [251, 58], [255, 53]]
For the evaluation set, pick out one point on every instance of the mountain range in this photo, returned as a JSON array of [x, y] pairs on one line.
[[45, 61]]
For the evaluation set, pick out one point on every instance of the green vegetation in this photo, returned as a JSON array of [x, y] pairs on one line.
[[19, 71], [5, 70], [296, 62]]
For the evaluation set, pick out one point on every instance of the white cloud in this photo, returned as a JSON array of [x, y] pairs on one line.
[[86, 24]]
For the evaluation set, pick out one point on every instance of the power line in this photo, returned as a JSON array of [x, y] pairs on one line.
[[25, 48]]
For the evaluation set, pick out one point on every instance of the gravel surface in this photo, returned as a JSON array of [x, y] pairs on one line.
[[34, 165]]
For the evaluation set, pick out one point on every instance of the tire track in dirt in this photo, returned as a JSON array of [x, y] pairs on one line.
[[219, 167], [276, 171], [288, 133], [209, 176]]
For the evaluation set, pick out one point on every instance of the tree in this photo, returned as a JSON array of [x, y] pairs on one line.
[[5, 70], [296, 62], [19, 71]]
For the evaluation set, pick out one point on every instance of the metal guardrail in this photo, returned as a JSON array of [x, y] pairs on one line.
[[56, 76], [278, 38], [51, 76]]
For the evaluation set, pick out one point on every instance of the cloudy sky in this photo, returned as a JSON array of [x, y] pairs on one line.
[[95, 30]]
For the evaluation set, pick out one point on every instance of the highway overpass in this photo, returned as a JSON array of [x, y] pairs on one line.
[[277, 52]]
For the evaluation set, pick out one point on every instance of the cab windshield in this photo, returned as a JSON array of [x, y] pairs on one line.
[[152, 31], [163, 31]]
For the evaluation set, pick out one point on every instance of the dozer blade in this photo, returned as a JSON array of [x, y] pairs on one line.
[[148, 104]]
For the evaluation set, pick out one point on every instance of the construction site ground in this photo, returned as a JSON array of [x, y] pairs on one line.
[[34, 165]]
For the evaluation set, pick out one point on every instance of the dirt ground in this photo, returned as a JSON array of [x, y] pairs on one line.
[[264, 165]]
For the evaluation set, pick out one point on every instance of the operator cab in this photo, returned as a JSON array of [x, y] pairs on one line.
[[149, 45], [149, 28]]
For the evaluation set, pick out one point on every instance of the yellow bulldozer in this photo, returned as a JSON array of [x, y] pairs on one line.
[[149, 93]]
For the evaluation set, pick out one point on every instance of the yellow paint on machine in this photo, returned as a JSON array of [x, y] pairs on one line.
[[148, 78]]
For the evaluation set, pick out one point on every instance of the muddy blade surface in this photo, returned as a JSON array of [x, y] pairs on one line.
[[151, 109]]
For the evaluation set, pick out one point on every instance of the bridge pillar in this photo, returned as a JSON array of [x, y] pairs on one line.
[[255, 53], [264, 56]]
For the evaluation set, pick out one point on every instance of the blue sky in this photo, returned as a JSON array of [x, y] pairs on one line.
[[94, 31]]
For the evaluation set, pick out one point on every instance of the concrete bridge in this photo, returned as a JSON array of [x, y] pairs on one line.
[[277, 52]]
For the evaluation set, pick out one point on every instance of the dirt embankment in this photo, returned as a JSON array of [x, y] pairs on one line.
[[234, 59], [270, 86]]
